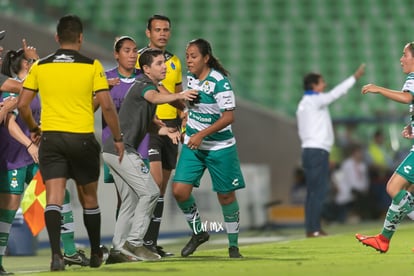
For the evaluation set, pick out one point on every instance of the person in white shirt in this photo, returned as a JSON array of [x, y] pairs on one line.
[[317, 137], [352, 185]]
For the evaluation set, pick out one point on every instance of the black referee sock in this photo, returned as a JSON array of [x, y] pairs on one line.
[[53, 220], [153, 231], [92, 222]]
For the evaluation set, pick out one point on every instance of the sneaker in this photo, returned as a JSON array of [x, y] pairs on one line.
[[4, 272], [234, 252], [158, 250], [316, 234], [78, 258], [115, 257], [57, 263], [196, 241], [140, 252], [378, 242], [98, 258]]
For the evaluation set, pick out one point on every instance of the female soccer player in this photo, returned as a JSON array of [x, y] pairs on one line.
[[402, 204], [209, 143]]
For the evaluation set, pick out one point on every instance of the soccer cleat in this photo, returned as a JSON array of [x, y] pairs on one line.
[[159, 250], [196, 241], [78, 258], [57, 263], [139, 252], [234, 252], [378, 242], [98, 258], [4, 272]]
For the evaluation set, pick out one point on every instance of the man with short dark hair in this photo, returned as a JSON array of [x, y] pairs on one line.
[[137, 188], [67, 82], [317, 137], [162, 153]]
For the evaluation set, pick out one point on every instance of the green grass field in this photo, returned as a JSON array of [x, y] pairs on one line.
[[272, 252]]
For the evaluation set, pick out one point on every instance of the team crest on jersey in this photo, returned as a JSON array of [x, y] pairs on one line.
[[172, 65], [14, 183], [144, 168], [208, 87]]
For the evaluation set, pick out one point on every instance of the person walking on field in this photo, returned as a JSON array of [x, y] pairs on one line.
[[209, 143]]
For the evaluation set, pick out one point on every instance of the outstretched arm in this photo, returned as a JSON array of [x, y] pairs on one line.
[[395, 95]]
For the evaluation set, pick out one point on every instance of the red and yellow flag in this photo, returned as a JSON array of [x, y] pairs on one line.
[[33, 204]]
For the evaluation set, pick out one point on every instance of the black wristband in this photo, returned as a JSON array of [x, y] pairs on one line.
[[31, 143]]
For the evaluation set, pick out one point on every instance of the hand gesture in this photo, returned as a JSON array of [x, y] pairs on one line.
[[174, 135], [360, 71], [120, 148], [35, 135], [195, 141], [33, 150], [188, 95], [370, 88], [29, 51], [407, 132]]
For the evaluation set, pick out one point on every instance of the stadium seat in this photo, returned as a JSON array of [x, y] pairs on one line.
[[268, 45]]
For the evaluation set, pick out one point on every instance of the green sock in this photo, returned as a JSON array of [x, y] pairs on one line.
[[6, 220], [192, 216], [401, 205], [67, 231], [231, 219]]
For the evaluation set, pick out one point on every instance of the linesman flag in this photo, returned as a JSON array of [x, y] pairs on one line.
[[33, 204]]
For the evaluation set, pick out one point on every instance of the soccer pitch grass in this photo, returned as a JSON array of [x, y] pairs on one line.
[[273, 252]]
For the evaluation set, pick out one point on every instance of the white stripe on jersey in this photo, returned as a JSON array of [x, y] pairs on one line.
[[213, 145]]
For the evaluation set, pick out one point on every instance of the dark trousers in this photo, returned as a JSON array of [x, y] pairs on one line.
[[316, 167]]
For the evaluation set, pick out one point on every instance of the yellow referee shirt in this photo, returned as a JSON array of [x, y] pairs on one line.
[[172, 78], [67, 81]]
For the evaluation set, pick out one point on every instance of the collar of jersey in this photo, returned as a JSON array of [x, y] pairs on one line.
[[311, 92]]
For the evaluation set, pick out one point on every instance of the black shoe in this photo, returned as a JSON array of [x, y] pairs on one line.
[[57, 263], [116, 257], [78, 258], [4, 272], [234, 252], [159, 250], [196, 241], [97, 259]]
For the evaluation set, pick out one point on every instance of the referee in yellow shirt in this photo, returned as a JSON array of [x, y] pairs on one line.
[[67, 82]]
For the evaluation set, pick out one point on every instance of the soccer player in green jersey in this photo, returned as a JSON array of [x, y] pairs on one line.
[[209, 143], [402, 204]]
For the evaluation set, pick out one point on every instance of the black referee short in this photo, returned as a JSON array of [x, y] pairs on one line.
[[69, 155]]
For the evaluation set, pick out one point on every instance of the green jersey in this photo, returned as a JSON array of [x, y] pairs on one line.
[[215, 96]]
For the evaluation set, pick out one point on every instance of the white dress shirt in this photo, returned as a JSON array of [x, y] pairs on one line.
[[314, 120]]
